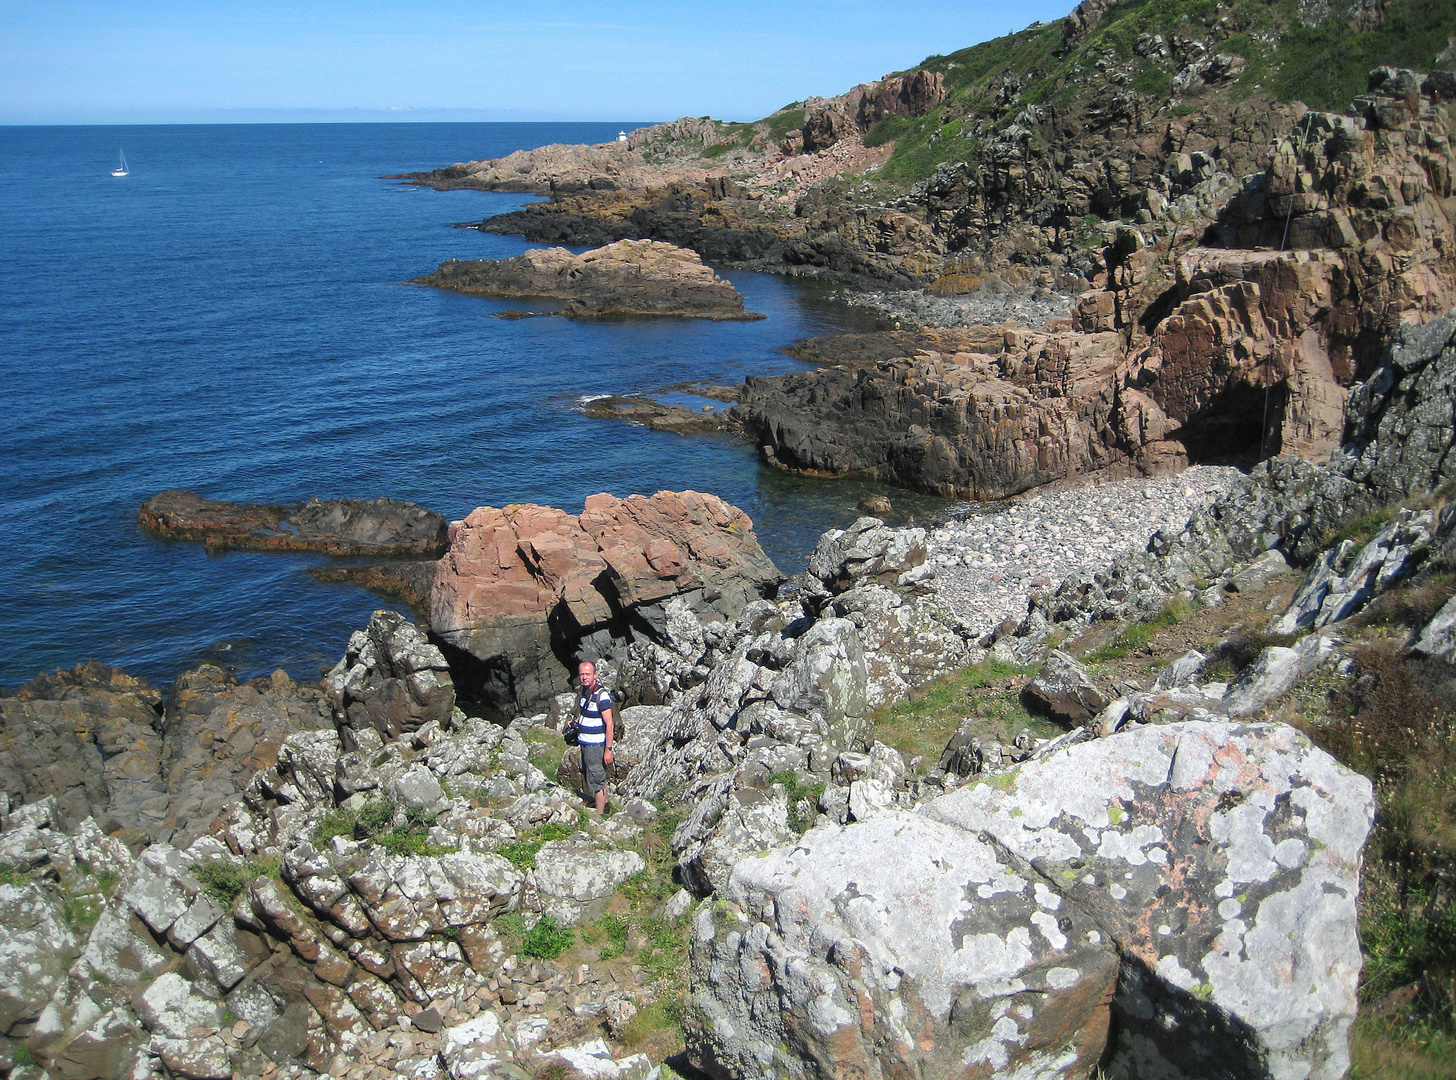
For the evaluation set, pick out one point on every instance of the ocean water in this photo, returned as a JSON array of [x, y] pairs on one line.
[[231, 318]]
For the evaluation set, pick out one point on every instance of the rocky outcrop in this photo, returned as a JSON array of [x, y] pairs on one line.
[[1399, 435], [345, 899], [1146, 900], [91, 738], [787, 690], [99, 742], [218, 733], [390, 679], [1245, 350], [378, 527], [525, 591], [627, 278]]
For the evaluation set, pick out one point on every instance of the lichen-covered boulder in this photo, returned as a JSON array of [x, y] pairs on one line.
[[575, 878], [1176, 900], [897, 947], [1224, 861]]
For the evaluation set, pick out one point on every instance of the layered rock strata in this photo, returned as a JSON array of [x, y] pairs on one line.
[[525, 591], [628, 278], [1179, 901], [377, 527]]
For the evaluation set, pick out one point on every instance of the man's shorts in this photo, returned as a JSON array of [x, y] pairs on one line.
[[593, 768]]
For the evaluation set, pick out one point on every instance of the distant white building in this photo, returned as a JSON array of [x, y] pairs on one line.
[[621, 136]]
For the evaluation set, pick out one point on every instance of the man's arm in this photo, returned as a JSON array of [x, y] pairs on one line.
[[607, 754]]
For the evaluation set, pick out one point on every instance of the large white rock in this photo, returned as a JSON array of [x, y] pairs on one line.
[[575, 878], [1189, 888]]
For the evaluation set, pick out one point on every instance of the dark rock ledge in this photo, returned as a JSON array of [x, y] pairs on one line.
[[373, 527]]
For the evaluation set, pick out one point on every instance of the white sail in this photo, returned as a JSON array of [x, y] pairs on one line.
[[121, 170]]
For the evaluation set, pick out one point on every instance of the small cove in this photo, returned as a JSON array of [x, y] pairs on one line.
[[231, 318]]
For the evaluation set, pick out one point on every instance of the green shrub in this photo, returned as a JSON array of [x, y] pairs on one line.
[[223, 880], [547, 940], [21, 1057], [337, 822], [376, 815]]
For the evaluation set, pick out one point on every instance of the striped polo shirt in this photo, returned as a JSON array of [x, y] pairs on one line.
[[590, 706]]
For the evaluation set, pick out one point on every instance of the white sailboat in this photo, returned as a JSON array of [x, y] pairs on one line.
[[121, 170]]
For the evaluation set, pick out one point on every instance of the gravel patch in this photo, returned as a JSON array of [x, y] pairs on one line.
[[986, 308], [994, 555]]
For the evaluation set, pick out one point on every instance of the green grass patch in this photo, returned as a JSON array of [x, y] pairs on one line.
[[375, 821], [784, 121], [887, 129], [13, 875], [1135, 636], [522, 853], [21, 1057], [547, 939], [614, 927], [1395, 1048], [84, 910], [223, 880], [988, 692]]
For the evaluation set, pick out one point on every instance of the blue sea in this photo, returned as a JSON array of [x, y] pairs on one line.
[[232, 318]]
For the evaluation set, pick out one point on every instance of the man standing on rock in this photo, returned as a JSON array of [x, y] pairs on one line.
[[594, 707]]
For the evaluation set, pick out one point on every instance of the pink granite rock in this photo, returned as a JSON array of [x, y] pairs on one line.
[[528, 589]]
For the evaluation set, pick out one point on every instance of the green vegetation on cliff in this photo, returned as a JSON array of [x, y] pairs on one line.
[[1165, 54]]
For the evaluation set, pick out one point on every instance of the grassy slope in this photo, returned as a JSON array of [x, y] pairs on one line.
[[1324, 66]]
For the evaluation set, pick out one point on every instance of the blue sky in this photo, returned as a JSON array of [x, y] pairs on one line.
[[164, 61]]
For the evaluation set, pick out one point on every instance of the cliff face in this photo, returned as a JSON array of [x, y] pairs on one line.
[[1244, 343]]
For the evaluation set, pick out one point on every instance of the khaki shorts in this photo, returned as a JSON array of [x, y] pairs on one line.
[[593, 768]]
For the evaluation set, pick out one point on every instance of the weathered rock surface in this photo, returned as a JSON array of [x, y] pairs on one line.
[[1162, 886], [628, 278], [788, 688], [391, 679], [526, 590], [91, 738], [1064, 690], [1399, 436], [383, 527], [98, 741]]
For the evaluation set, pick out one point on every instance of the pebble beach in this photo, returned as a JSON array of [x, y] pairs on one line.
[[992, 558]]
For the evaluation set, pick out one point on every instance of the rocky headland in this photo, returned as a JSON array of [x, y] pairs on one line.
[[1091, 797], [630, 278]]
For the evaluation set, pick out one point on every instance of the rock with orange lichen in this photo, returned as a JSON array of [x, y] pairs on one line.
[[526, 590]]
